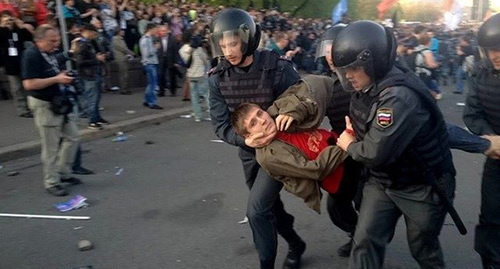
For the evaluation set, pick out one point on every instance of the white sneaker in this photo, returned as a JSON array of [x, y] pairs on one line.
[[438, 96], [115, 88], [197, 120]]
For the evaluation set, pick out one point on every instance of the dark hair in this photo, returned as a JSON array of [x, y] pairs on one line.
[[424, 39], [186, 37], [238, 116], [465, 38], [6, 12], [418, 29], [150, 26], [70, 23]]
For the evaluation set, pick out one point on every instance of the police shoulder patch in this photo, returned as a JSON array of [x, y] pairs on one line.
[[385, 117]]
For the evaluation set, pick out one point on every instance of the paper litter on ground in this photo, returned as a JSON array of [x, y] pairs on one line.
[[76, 202]]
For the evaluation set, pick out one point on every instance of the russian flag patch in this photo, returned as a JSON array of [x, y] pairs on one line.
[[384, 117]]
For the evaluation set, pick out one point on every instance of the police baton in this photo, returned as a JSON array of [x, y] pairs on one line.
[[432, 180]]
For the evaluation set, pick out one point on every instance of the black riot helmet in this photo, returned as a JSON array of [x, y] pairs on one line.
[[231, 23], [325, 46], [364, 44], [488, 37]]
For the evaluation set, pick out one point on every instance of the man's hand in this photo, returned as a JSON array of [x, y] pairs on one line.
[[75, 48], [63, 78], [348, 124], [347, 137], [259, 140], [290, 53], [283, 122], [101, 57], [29, 27], [494, 150]]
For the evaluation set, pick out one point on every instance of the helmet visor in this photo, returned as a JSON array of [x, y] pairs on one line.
[[324, 48], [230, 42], [358, 75], [492, 60]]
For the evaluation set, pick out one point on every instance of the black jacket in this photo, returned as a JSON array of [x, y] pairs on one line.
[[17, 37], [86, 60], [170, 56]]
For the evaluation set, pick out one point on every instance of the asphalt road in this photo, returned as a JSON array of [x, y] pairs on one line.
[[177, 204]]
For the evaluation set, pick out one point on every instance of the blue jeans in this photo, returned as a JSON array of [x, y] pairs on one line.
[[460, 76], [152, 75], [463, 140], [92, 96], [198, 87], [433, 86]]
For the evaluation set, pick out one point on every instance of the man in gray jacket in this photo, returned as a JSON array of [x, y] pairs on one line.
[[122, 54], [149, 51]]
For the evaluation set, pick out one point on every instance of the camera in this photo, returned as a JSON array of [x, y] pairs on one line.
[[76, 81], [196, 41]]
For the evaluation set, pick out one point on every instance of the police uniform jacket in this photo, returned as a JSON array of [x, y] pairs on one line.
[[279, 72], [396, 127], [482, 114]]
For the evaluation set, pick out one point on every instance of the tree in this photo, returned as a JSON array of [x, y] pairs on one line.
[[276, 5], [265, 4], [301, 6]]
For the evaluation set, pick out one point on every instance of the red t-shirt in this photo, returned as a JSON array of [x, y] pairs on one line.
[[312, 143]]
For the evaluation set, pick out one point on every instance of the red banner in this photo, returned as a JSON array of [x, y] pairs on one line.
[[447, 5], [384, 6]]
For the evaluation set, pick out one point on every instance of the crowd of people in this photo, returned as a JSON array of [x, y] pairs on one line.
[[121, 25], [376, 85]]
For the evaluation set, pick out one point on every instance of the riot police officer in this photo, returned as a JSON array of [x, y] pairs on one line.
[[246, 75], [400, 136], [482, 117], [340, 206]]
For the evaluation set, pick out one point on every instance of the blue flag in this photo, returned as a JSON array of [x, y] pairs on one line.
[[339, 11]]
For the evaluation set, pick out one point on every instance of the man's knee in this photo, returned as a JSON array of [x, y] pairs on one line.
[[258, 209]]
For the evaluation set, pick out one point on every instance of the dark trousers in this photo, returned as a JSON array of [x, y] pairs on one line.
[[265, 210], [487, 239], [164, 71], [340, 205], [78, 158], [380, 211]]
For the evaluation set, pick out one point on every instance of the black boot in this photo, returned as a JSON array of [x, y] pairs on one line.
[[295, 251]]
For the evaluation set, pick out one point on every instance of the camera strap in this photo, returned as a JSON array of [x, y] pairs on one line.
[[66, 90], [52, 61]]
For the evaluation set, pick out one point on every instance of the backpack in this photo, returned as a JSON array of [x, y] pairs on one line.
[[411, 59]]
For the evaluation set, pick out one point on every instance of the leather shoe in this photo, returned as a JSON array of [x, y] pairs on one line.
[[345, 250], [82, 171], [293, 258], [155, 107], [57, 190], [26, 115], [71, 180]]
